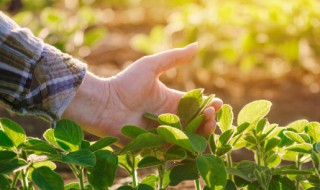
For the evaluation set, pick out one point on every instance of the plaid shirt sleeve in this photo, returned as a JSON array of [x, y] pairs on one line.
[[35, 78]]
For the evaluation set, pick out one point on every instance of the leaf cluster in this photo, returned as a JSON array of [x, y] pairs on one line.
[[174, 149]]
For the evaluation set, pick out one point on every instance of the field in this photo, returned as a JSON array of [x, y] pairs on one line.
[[247, 50]]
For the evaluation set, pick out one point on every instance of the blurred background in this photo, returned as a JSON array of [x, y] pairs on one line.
[[248, 49]]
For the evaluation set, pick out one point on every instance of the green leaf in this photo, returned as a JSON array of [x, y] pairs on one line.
[[13, 131], [298, 126], [194, 124], [285, 141], [230, 185], [132, 131], [189, 105], [225, 117], [254, 111], [8, 166], [7, 155], [212, 143], [244, 170], [166, 178], [149, 161], [151, 116], [72, 186], [272, 143], [313, 129], [199, 143], [94, 35], [273, 159], [46, 179], [250, 139], [102, 175], [316, 147], [5, 182], [241, 129], [68, 135], [126, 187], [281, 183], [293, 136], [175, 153], [223, 149], [286, 171], [212, 171], [150, 180], [260, 125], [185, 171], [48, 135], [5, 141], [144, 187], [315, 159], [175, 136], [267, 132], [48, 164], [170, 119], [305, 137], [101, 143], [123, 162], [37, 145], [83, 158], [145, 140], [85, 144], [314, 180], [226, 136], [206, 103], [301, 148]]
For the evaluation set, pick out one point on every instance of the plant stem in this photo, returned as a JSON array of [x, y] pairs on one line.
[[229, 164], [316, 169], [78, 173], [24, 180], [237, 140], [258, 156], [15, 178], [75, 172], [264, 157], [197, 184], [298, 165], [134, 173], [80, 177], [161, 173]]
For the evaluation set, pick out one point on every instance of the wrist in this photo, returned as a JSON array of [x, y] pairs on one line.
[[89, 102]]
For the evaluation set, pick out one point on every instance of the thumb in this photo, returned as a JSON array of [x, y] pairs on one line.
[[166, 60]]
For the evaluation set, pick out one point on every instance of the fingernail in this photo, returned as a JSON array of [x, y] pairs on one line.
[[194, 44]]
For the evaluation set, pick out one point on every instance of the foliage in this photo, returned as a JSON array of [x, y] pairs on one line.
[[31, 160], [245, 34], [271, 34], [74, 27], [177, 152]]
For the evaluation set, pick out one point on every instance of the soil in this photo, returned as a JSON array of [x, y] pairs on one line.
[[295, 94]]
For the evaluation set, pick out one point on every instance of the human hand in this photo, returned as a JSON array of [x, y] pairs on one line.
[[123, 99]]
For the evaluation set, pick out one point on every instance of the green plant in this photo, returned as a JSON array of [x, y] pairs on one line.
[[174, 149], [74, 28], [241, 34], [31, 160]]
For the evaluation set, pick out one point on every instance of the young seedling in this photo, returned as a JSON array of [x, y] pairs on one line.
[[174, 149]]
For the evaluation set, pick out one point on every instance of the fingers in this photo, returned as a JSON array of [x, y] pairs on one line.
[[216, 103], [166, 60], [209, 124]]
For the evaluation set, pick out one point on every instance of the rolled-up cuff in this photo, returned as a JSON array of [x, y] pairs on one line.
[[55, 81]]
